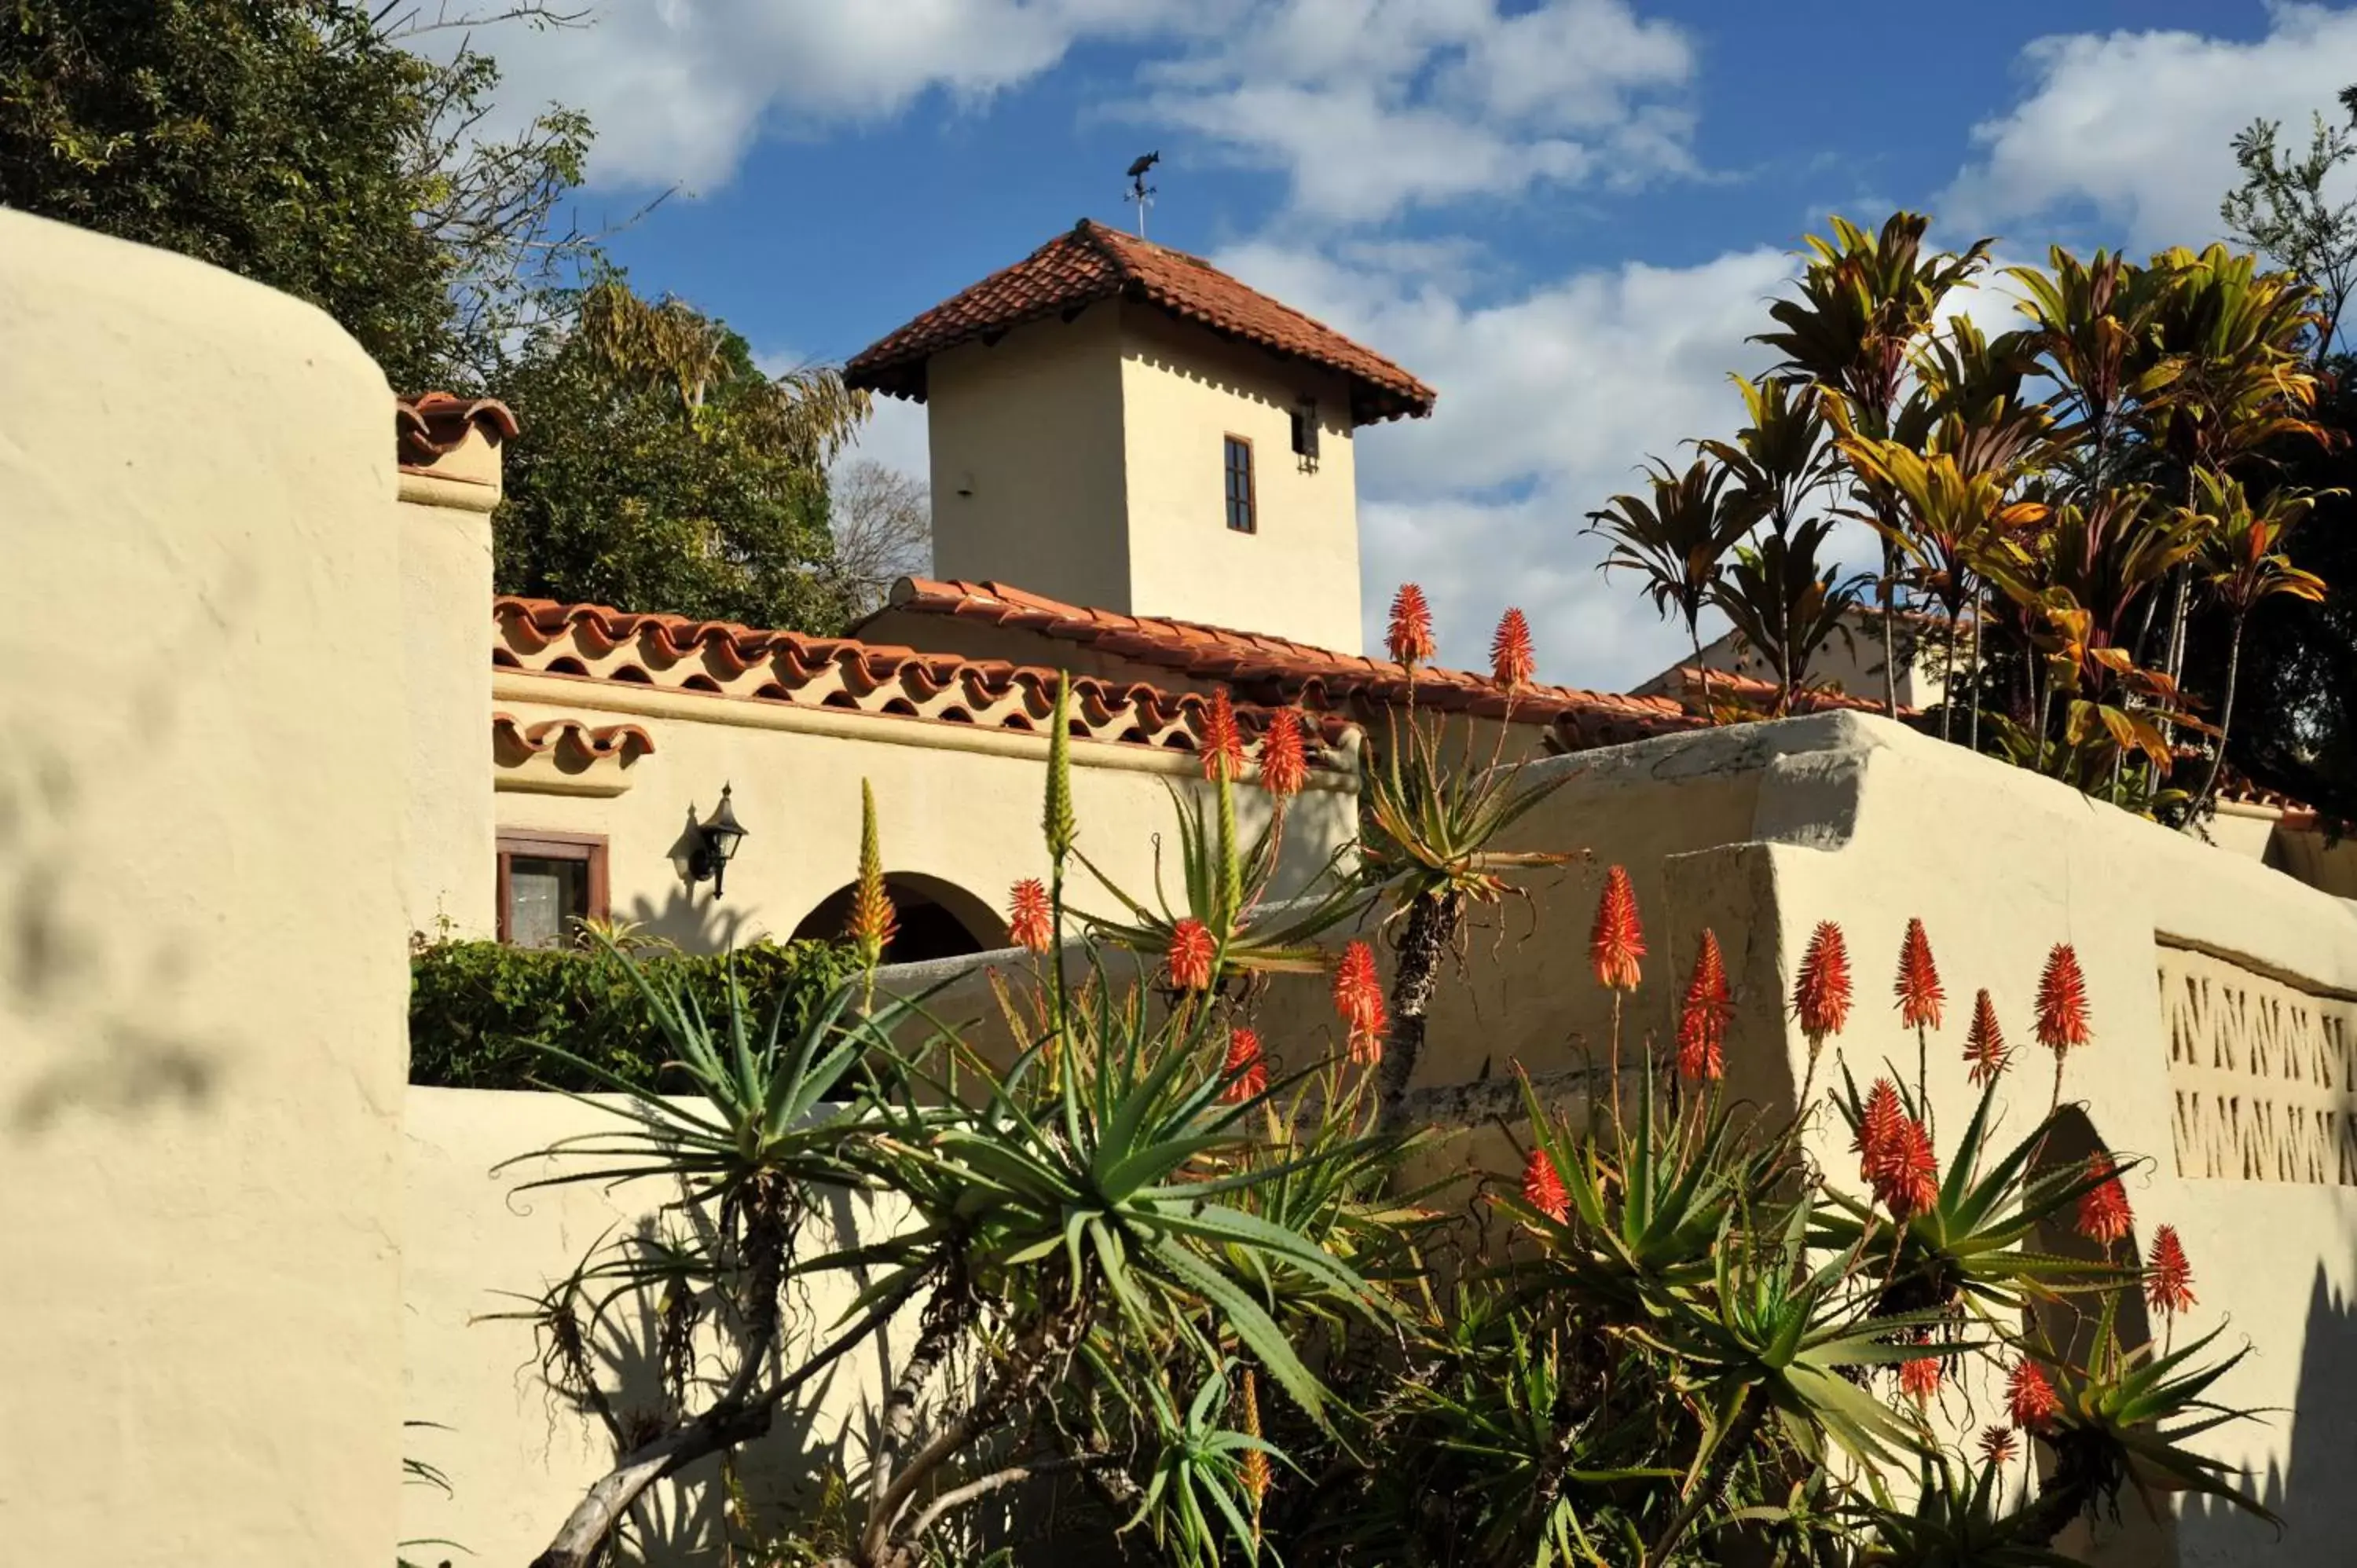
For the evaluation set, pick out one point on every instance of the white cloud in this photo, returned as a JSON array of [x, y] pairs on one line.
[[1372, 106], [679, 89], [1367, 106], [1550, 398], [2137, 128]]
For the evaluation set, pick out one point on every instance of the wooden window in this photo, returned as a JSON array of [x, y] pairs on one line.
[[1242, 515], [547, 881]]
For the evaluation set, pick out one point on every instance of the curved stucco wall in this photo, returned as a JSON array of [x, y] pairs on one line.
[[201, 986]]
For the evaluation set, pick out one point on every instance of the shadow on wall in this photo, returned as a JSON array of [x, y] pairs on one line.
[[95, 985], [2315, 1490], [690, 919]]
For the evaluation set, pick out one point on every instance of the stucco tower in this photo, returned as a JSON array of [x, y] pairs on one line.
[[1121, 426]]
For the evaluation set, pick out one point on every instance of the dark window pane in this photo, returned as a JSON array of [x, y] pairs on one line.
[[1239, 486], [544, 897]]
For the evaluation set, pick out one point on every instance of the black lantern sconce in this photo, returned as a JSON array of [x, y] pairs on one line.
[[716, 838]]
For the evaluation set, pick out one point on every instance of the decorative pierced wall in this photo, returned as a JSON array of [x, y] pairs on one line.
[[2259, 1071]]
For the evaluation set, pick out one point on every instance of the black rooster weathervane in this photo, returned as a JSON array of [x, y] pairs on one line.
[[1139, 191]]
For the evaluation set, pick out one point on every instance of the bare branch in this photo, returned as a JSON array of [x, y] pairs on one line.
[[1030, 1469], [593, 1519]]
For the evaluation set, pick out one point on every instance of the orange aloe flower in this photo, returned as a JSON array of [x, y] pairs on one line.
[[1246, 1069], [2062, 1001], [1880, 1126], [1253, 1469], [1701, 1023], [1820, 994], [1909, 1180], [1920, 1379], [1542, 1188], [2030, 1399], [2104, 1213], [1191, 951], [1223, 744], [1410, 637], [1284, 766], [1512, 662], [1985, 1046], [1618, 940], [1918, 986], [1998, 1445], [2169, 1281], [1032, 923], [873, 922], [1358, 998]]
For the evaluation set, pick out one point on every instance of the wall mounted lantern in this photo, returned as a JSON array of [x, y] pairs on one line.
[[716, 838]]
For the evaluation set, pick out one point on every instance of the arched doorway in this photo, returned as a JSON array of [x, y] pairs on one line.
[[936, 919]]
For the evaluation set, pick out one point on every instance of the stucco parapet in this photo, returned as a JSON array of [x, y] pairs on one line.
[[1338, 773]]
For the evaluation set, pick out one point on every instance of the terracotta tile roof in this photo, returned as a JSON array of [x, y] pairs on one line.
[[1092, 262], [436, 424], [676, 653], [590, 743], [1755, 692], [1274, 669]]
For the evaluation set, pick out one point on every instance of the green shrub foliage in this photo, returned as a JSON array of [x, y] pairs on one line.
[[478, 1011]]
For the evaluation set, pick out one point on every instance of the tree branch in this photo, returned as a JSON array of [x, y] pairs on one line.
[[1030, 1469], [593, 1517]]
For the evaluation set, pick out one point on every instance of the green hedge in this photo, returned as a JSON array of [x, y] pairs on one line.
[[475, 1008]]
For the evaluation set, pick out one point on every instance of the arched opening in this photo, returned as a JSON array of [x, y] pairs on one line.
[[936, 919], [2071, 1328]]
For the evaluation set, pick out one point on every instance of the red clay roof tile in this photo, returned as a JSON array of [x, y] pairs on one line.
[[1092, 262], [677, 653], [1274, 669], [433, 424]]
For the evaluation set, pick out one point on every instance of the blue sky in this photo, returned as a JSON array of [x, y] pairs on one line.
[[1564, 214]]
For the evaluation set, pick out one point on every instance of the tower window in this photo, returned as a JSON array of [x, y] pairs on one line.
[[1240, 516], [1304, 434]]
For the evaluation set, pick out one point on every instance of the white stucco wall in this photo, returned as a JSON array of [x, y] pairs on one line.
[[1184, 392], [957, 804], [201, 991], [445, 579], [518, 1456], [1084, 460], [1026, 443]]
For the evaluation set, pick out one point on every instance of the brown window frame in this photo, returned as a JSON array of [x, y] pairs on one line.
[[543, 843], [1227, 442]]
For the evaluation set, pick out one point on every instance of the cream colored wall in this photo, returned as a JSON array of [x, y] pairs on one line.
[[518, 1458], [201, 820], [445, 581], [957, 804], [1026, 444], [1183, 393]]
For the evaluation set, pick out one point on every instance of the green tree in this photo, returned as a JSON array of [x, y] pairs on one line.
[[662, 469], [2282, 210], [265, 136], [313, 146]]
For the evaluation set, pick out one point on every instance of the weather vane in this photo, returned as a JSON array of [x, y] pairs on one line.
[[1139, 191]]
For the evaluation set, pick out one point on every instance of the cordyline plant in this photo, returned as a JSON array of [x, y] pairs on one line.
[[1159, 1283], [2055, 498]]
